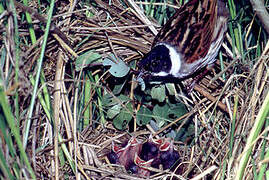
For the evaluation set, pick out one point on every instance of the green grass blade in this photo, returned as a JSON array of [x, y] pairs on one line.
[[259, 122], [17, 57], [4, 166], [39, 67], [14, 129], [88, 90], [29, 20]]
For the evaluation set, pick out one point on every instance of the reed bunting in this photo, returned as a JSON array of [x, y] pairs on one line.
[[189, 41]]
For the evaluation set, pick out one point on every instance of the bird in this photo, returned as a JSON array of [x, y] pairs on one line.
[[136, 156], [188, 42], [125, 155]]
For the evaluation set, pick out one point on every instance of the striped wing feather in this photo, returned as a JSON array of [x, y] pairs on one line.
[[190, 30]]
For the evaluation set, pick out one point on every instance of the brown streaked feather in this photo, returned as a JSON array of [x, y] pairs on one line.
[[191, 29]]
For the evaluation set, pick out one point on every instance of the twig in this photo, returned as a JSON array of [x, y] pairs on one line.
[[35, 14]]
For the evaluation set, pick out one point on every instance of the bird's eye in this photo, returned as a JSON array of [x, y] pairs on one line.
[[165, 65], [154, 64]]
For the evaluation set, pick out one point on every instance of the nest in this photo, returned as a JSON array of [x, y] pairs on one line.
[[119, 28]]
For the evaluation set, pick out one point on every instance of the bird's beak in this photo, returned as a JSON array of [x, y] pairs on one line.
[[145, 75], [140, 79], [141, 75]]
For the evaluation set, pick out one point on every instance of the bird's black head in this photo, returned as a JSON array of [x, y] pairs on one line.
[[156, 62]]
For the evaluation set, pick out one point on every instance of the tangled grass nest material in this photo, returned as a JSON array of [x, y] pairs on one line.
[[110, 27]]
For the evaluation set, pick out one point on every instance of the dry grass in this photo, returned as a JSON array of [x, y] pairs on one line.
[[223, 111]]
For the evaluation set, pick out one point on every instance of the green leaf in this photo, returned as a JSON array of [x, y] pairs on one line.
[[158, 93], [171, 89], [118, 88], [177, 110], [115, 110], [143, 117], [123, 98], [161, 114], [185, 133], [109, 100], [123, 118], [87, 58], [118, 67]]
